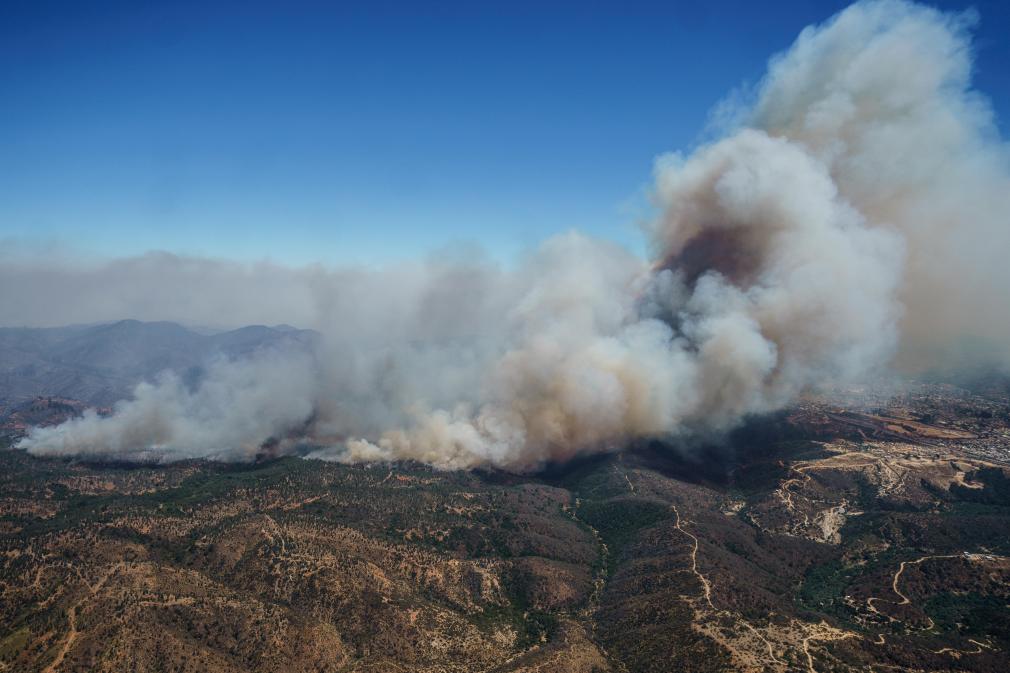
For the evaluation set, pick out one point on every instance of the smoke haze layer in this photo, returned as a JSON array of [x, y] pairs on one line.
[[857, 213]]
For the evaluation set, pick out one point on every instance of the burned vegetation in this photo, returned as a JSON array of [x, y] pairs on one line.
[[830, 537]]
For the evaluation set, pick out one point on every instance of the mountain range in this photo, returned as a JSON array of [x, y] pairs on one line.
[[100, 364]]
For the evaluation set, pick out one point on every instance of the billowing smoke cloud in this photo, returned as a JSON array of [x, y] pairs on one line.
[[882, 96], [236, 409], [859, 211]]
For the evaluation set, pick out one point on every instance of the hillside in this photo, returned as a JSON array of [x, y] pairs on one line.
[[825, 539], [100, 364]]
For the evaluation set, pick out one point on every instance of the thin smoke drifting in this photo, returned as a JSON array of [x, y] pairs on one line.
[[858, 212]]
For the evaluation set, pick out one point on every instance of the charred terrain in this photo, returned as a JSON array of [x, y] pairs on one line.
[[867, 534]]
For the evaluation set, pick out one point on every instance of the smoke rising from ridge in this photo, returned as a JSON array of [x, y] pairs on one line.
[[858, 212]]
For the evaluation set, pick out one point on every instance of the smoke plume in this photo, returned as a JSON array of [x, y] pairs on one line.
[[858, 212]]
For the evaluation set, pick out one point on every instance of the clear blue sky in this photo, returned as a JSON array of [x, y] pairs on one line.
[[304, 131]]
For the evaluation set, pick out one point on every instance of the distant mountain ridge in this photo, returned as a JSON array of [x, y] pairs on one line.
[[100, 364]]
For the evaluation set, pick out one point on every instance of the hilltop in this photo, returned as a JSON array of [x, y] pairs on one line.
[[101, 364]]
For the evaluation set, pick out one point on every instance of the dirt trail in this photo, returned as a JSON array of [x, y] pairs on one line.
[[796, 633], [957, 654], [72, 632], [822, 632], [278, 531], [624, 473], [600, 579], [897, 578], [806, 635], [706, 585], [838, 461], [906, 601], [67, 643]]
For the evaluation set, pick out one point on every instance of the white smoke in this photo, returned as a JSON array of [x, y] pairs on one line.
[[882, 96], [793, 287], [859, 211], [236, 409]]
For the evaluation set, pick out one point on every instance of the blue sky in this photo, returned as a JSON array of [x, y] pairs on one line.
[[308, 132]]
